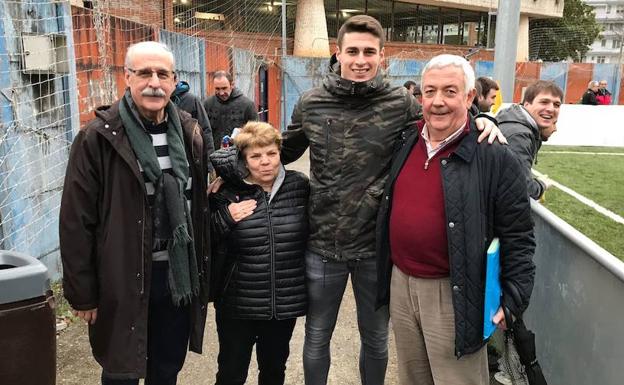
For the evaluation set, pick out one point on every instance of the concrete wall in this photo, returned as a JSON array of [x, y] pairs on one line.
[[576, 308], [581, 125]]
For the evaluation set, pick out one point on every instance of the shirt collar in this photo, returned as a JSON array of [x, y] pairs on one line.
[[432, 151]]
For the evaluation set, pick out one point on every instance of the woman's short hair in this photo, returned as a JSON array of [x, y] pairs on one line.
[[257, 134]]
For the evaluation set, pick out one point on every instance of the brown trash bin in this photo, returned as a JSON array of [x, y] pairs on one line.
[[27, 322]]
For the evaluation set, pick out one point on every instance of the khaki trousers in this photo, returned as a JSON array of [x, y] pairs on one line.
[[421, 312]]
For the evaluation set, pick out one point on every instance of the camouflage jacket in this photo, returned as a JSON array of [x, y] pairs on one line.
[[351, 128]]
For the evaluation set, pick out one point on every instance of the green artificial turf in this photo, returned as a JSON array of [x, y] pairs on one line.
[[604, 231], [597, 177]]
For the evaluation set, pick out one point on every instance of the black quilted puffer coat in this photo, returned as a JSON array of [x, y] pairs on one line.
[[485, 196], [259, 262]]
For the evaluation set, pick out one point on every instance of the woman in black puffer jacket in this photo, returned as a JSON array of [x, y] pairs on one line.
[[260, 227]]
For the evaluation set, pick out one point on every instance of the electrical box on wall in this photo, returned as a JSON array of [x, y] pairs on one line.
[[44, 54]]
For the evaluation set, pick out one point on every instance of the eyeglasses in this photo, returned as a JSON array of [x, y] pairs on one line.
[[147, 73]]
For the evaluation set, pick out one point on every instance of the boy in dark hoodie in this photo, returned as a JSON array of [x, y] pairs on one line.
[[192, 104], [530, 123]]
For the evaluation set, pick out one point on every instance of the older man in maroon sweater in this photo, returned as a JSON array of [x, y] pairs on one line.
[[447, 198]]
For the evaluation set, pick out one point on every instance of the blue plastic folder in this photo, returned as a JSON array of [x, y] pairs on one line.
[[492, 288]]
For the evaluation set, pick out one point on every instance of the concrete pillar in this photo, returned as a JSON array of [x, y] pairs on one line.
[[523, 39], [506, 47], [311, 29]]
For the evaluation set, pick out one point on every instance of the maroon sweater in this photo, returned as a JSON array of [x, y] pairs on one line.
[[418, 222]]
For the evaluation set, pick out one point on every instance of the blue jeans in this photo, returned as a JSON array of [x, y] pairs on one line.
[[326, 282]]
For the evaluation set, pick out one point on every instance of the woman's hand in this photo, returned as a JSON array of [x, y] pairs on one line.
[[242, 210]]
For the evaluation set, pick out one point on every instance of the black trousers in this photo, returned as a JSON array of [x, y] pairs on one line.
[[236, 340], [168, 329]]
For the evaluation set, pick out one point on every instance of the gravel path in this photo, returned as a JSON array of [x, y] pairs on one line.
[[77, 367]]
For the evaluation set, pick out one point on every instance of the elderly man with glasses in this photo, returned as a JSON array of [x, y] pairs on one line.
[[133, 232]]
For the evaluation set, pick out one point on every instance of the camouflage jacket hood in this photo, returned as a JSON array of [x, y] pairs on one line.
[[342, 87], [351, 128]]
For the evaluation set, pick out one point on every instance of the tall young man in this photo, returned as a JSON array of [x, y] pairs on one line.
[[351, 125]]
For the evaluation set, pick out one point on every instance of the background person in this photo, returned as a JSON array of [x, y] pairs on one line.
[[411, 86], [589, 97], [474, 105], [190, 103], [260, 225], [228, 108], [418, 94], [604, 96], [530, 123], [414, 89], [487, 97]]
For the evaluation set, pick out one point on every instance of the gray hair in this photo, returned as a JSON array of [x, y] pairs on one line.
[[593, 83], [148, 46], [446, 60]]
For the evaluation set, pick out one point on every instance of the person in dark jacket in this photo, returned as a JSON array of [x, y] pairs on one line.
[[486, 93], [414, 89], [228, 108], [603, 96], [589, 97], [133, 227], [351, 125], [446, 198], [475, 109], [260, 225], [193, 105], [530, 123], [418, 95], [410, 85]]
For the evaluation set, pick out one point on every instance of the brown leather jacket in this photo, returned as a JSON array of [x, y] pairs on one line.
[[106, 240]]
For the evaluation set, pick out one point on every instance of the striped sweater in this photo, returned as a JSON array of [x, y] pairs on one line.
[[158, 134]]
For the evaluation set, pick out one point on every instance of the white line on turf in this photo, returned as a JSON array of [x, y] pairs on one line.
[[584, 153], [584, 200]]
